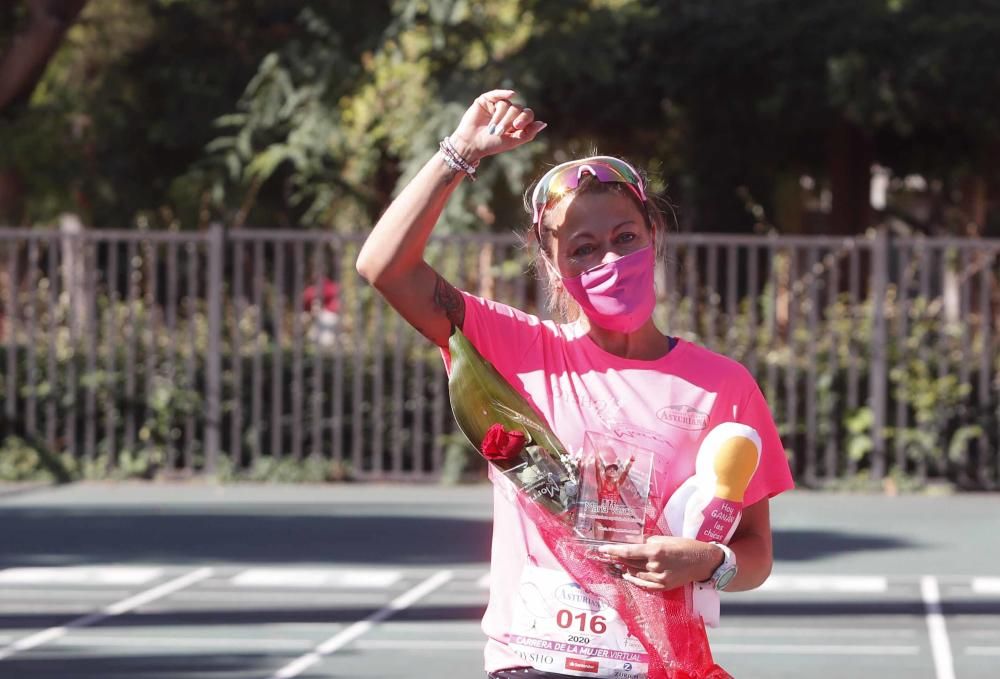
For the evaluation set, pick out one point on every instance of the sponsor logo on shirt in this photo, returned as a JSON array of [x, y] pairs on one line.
[[684, 416], [573, 595], [582, 665]]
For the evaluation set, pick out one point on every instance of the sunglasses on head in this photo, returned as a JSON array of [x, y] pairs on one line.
[[566, 177]]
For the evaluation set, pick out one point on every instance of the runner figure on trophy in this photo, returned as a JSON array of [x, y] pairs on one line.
[[609, 494]]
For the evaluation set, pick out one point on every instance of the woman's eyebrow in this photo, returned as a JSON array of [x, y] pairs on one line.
[[588, 234]]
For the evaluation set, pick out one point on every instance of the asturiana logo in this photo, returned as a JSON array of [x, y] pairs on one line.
[[684, 416], [573, 595]]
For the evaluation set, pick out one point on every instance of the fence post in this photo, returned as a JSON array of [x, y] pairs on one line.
[[878, 377], [213, 360]]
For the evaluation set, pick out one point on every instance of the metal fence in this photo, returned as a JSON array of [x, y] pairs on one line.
[[228, 350]]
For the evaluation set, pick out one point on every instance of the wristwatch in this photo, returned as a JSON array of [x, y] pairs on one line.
[[726, 571]]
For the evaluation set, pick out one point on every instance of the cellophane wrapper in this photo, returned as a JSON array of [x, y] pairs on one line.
[[663, 621]]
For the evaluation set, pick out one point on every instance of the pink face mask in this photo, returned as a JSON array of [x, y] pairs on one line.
[[618, 295]]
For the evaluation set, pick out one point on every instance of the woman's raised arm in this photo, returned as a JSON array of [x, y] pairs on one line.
[[392, 258]]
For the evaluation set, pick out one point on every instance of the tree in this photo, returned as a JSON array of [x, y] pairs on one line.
[[171, 113], [41, 26]]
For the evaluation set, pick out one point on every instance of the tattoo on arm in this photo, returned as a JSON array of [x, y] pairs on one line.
[[449, 301]]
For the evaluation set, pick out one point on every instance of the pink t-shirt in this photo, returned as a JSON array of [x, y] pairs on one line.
[[666, 405]]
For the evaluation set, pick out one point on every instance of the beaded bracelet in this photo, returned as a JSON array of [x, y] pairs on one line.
[[455, 161]]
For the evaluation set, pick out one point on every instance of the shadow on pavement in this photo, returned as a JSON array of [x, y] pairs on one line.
[[67, 536], [89, 665], [238, 616], [805, 545]]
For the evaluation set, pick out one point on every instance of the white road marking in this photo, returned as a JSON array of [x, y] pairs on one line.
[[815, 649], [108, 611], [361, 627], [484, 581], [983, 650], [79, 575], [986, 585], [944, 664], [316, 577], [867, 632], [60, 594], [845, 584], [418, 645], [217, 643]]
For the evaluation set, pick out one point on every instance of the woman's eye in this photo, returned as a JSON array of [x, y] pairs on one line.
[[583, 251], [626, 237]]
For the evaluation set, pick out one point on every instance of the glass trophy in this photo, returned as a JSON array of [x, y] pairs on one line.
[[613, 496]]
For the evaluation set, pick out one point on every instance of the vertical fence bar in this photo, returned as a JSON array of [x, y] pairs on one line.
[[256, 402], [986, 342], [130, 331], [926, 263], [298, 379], [213, 361], [691, 288], [903, 331], [236, 354], [712, 295], [92, 332], [994, 364], [51, 376], [879, 375], [753, 302], [30, 421], [965, 365], [173, 289], [772, 319], [338, 364], [813, 301], [673, 294], [11, 321], [277, 352], [732, 270], [73, 249], [110, 344], [419, 392], [791, 370], [152, 305], [191, 307], [318, 341], [378, 386], [830, 464], [401, 344], [853, 292], [357, 382]]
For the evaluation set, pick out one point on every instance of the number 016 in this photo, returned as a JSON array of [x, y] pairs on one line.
[[595, 624]]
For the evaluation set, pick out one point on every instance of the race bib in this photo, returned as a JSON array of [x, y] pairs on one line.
[[558, 627]]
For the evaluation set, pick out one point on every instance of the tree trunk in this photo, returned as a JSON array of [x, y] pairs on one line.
[[11, 197], [850, 158], [21, 67], [23, 64]]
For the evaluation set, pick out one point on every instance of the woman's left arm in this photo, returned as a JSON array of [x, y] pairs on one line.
[[752, 546], [666, 562]]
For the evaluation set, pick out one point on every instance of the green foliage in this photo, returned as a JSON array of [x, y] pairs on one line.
[[164, 113]]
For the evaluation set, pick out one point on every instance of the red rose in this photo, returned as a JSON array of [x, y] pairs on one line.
[[500, 444]]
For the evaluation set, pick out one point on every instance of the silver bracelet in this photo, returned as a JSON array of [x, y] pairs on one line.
[[455, 161]]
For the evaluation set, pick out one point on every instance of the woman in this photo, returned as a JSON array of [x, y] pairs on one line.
[[609, 371]]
